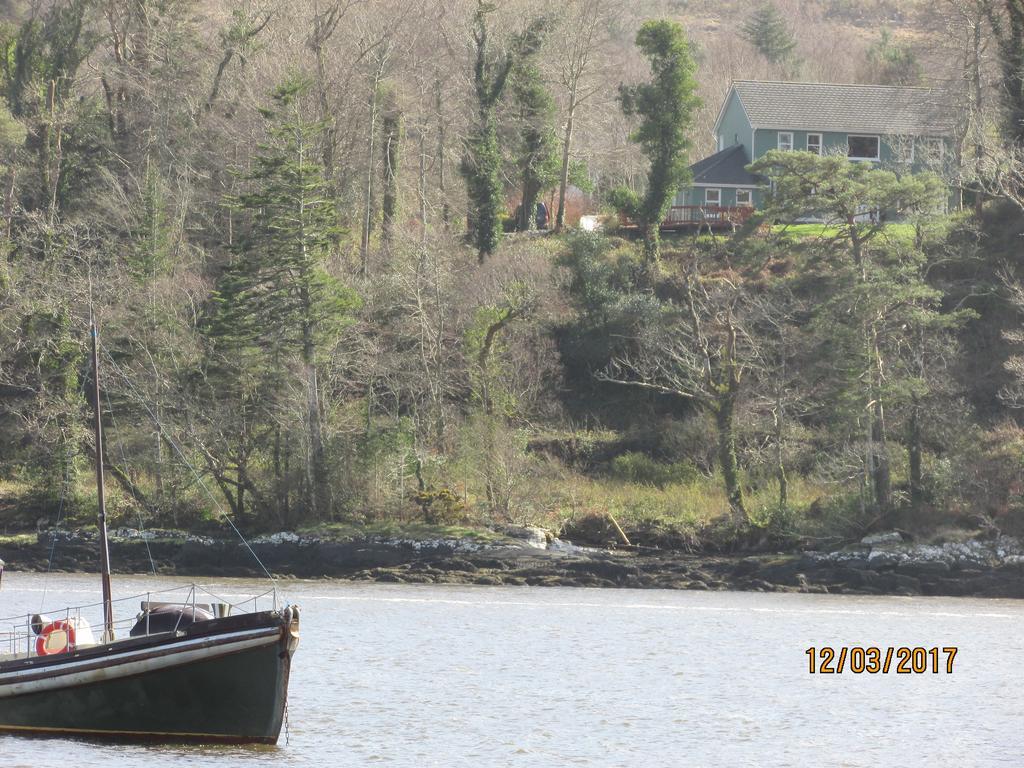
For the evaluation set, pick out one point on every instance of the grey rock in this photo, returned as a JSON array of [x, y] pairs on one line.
[[604, 569], [853, 577], [746, 566], [887, 537], [923, 568], [881, 558], [530, 536], [895, 583]]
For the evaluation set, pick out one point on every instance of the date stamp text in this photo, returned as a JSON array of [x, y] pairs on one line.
[[872, 660]]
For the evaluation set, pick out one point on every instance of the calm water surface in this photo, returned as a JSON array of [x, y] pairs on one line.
[[514, 676]]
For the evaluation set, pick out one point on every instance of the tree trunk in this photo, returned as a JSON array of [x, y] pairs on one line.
[[979, 127], [856, 245], [423, 189], [652, 241], [316, 465], [391, 126], [528, 210], [484, 358], [278, 478], [9, 200], [446, 211], [241, 476], [780, 465], [441, 180], [881, 477], [327, 150], [490, 467], [563, 182], [727, 456], [240, 492], [914, 452], [159, 457], [364, 242], [321, 491], [287, 475], [51, 150], [485, 188]]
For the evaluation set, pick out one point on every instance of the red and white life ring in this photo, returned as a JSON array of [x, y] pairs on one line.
[[56, 637]]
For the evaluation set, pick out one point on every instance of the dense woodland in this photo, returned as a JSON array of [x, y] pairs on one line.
[[294, 222]]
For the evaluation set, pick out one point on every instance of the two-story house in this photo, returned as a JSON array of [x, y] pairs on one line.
[[902, 128]]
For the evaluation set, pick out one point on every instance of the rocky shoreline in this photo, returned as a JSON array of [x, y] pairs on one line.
[[883, 564]]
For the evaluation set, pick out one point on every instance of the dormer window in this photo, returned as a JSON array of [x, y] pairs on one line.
[[862, 147], [785, 141]]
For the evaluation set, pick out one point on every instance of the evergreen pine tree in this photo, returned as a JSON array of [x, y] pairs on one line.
[[666, 107], [276, 299], [893, 63], [877, 298], [1007, 25], [767, 31], [391, 138]]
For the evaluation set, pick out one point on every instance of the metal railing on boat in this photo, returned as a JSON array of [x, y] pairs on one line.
[[20, 641]]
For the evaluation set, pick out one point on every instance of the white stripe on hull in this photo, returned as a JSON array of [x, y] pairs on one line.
[[128, 664]]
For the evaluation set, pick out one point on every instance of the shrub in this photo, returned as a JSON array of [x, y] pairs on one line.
[[639, 468], [991, 480]]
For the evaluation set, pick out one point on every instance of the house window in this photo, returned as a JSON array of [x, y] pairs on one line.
[[785, 141], [743, 197], [902, 148], [712, 197], [933, 151], [862, 147], [814, 143]]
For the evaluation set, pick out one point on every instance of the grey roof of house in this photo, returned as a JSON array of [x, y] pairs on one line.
[[725, 167], [881, 109]]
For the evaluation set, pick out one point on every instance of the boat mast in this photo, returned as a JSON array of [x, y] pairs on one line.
[[108, 606]]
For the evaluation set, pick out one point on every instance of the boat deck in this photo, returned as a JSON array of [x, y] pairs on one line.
[[20, 640]]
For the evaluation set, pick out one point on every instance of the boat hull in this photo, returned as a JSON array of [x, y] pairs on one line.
[[226, 683]]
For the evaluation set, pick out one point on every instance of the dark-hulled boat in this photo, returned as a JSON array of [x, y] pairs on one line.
[[220, 680], [186, 672]]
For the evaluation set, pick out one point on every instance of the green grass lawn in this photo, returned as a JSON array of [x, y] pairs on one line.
[[893, 230]]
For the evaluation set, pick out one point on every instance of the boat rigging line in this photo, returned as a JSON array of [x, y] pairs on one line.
[[173, 443], [108, 601]]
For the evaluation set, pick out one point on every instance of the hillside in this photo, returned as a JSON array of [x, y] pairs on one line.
[[295, 223]]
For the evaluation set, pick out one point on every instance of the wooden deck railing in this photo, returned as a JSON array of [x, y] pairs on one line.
[[698, 214], [695, 216]]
